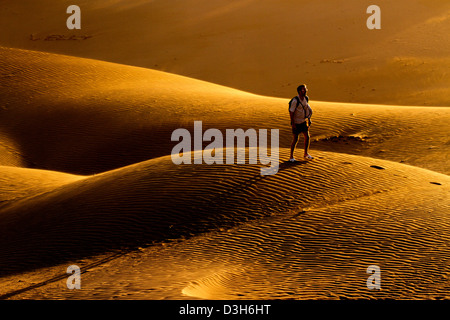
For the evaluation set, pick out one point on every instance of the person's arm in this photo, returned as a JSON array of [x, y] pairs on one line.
[[292, 111], [310, 115]]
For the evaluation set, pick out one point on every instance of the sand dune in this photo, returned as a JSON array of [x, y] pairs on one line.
[[20, 183], [85, 144], [257, 46], [307, 232], [115, 115]]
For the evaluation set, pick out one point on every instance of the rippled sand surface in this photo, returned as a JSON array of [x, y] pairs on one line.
[[87, 178]]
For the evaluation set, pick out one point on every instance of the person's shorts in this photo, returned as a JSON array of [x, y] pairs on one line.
[[300, 127]]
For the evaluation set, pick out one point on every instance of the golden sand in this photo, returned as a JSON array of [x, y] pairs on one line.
[[85, 143]]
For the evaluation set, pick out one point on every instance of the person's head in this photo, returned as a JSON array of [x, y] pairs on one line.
[[301, 89]]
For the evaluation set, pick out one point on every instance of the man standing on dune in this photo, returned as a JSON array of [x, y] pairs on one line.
[[300, 113]]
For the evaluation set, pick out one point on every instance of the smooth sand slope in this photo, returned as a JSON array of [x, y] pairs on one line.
[[18, 183], [87, 179], [258, 46], [85, 116]]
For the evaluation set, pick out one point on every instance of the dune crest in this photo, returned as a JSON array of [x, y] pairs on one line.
[[254, 45], [231, 214], [111, 112]]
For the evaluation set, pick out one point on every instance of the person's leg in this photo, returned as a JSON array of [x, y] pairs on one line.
[[307, 141], [293, 144]]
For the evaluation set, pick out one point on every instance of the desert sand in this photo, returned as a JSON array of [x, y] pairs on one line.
[[85, 144], [257, 46]]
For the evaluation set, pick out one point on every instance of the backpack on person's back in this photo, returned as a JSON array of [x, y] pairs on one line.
[[296, 98]]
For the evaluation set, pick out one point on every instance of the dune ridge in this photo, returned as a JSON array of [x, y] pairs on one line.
[[242, 46], [20, 183], [281, 223], [111, 112], [139, 205]]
